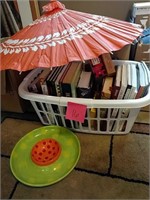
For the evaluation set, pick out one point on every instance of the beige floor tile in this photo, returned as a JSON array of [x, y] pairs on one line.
[[146, 108], [7, 179], [131, 156], [12, 131], [143, 117], [81, 185], [141, 128], [94, 152]]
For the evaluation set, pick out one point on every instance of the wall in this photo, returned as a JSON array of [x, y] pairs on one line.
[[116, 9]]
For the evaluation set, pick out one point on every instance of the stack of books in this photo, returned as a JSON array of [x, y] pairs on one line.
[[71, 80], [98, 78], [132, 82]]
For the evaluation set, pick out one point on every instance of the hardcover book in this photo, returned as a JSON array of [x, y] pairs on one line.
[[42, 79], [126, 79], [50, 81], [35, 85], [57, 82], [143, 81], [98, 67], [84, 87], [134, 82], [117, 83], [131, 75], [147, 71], [130, 81], [69, 83], [109, 65], [105, 94], [121, 93], [107, 88]]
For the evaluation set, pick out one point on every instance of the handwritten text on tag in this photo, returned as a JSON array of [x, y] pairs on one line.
[[76, 112]]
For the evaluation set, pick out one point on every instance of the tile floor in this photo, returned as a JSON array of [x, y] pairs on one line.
[[110, 167]]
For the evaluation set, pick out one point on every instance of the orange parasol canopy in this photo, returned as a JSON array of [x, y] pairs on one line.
[[61, 36]]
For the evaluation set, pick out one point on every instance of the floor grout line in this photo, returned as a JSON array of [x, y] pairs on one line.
[[112, 176], [14, 189], [139, 133], [110, 154], [5, 156], [129, 180]]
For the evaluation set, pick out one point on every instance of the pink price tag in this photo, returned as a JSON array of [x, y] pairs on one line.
[[76, 112]]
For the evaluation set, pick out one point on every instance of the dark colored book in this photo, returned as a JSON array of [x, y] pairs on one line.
[[42, 79], [57, 82], [52, 82], [69, 83], [51, 79], [87, 66], [62, 78], [34, 86], [51, 88]]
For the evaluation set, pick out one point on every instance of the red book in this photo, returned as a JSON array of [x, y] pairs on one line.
[[98, 67]]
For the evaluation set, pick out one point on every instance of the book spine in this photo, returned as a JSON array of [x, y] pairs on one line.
[[66, 90], [33, 88], [121, 93], [125, 111], [58, 89], [49, 87], [133, 93], [145, 91], [127, 93], [75, 80], [57, 85], [60, 81], [98, 67], [44, 88], [53, 88], [83, 92], [115, 92], [50, 81], [140, 92], [107, 60], [147, 70], [115, 110]]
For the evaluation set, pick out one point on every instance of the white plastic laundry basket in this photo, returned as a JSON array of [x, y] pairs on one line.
[[52, 109]]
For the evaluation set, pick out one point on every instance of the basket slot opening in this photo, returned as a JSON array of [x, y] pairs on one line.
[[103, 112], [42, 115], [103, 125], [111, 125]]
